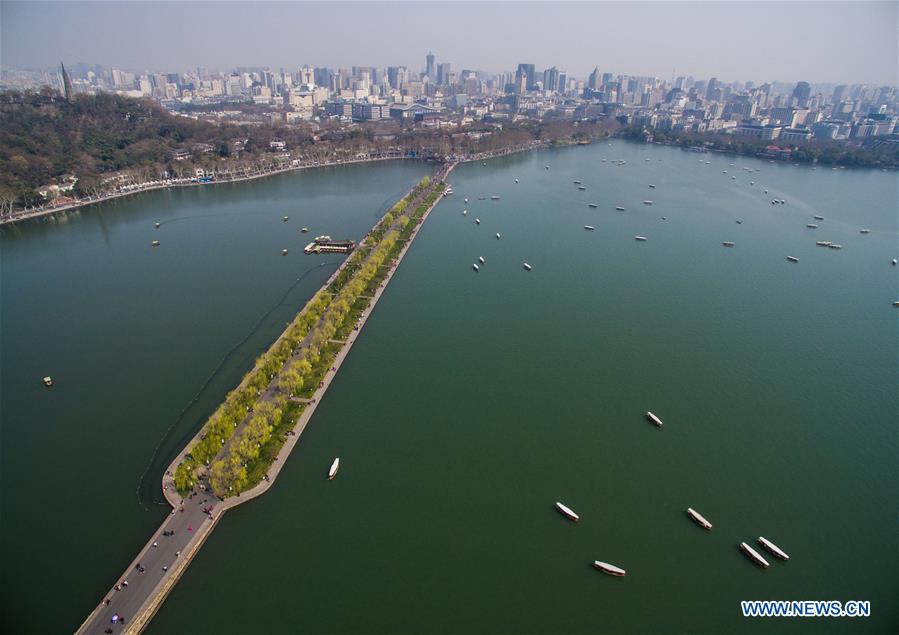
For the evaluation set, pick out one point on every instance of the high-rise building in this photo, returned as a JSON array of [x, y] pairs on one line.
[[67, 91], [594, 81], [430, 70], [563, 82], [528, 71], [801, 93], [710, 88], [443, 72], [839, 92], [307, 76], [551, 79]]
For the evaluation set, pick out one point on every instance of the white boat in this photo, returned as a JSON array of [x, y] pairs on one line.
[[497, 236], [728, 243], [481, 259], [283, 252], [818, 217], [593, 205], [581, 187], [48, 381], [464, 212], [466, 200], [895, 262], [698, 518], [157, 225], [864, 231], [835, 246], [285, 219], [155, 243], [640, 238], [494, 198], [516, 180], [619, 208], [811, 226], [477, 221], [739, 222], [753, 555], [476, 267], [823, 243], [774, 549], [566, 511], [647, 202], [526, 266], [304, 230], [576, 182], [793, 258], [334, 467], [546, 166], [652, 185], [654, 419], [589, 227], [611, 569]]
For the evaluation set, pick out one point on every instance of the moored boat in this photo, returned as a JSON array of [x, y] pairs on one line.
[[576, 182], [611, 569], [698, 518], [811, 226], [823, 243], [334, 467], [581, 187], [481, 259], [304, 230], [818, 217], [835, 246], [754, 555], [774, 549], [567, 512]]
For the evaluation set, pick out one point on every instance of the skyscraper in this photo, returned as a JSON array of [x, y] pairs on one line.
[[67, 91], [801, 93], [528, 71], [551, 79], [429, 66], [593, 81], [443, 72]]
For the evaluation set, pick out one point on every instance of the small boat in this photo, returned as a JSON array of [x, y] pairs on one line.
[[774, 549], [283, 252], [485, 163], [546, 166], [818, 217], [482, 198], [647, 202], [698, 518], [823, 243], [48, 381], [739, 222], [864, 231], [619, 208], [605, 567], [589, 227], [640, 238], [304, 230], [477, 221], [516, 180], [654, 419], [728, 243], [593, 205], [494, 198], [476, 267], [664, 218], [896, 303], [155, 243], [811, 226], [581, 187], [835, 246], [652, 185], [566, 511], [464, 212], [526, 266], [753, 555], [466, 200], [285, 219], [752, 182], [766, 191], [895, 262], [733, 178], [334, 467], [792, 258], [497, 235], [481, 259], [157, 225], [576, 182]]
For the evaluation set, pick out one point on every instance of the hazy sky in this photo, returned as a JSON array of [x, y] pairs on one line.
[[837, 42]]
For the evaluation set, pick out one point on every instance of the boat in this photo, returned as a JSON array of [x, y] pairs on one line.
[[322, 238], [494, 198], [157, 225], [664, 218], [589, 227], [792, 258], [482, 198], [896, 303], [654, 419], [466, 200], [285, 219], [304, 230], [895, 262], [640, 238], [481, 259], [739, 222], [464, 212], [546, 166], [647, 202], [698, 518], [497, 235], [753, 555], [766, 191], [593, 205], [823, 243], [334, 467], [476, 267], [155, 243], [818, 217], [652, 185], [477, 221], [611, 569], [728, 243], [526, 266], [516, 180], [835, 246], [811, 226], [619, 208], [567, 512], [581, 187], [48, 381], [774, 549], [864, 231], [283, 252], [576, 182]]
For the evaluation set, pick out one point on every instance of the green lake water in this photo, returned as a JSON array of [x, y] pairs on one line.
[[473, 401]]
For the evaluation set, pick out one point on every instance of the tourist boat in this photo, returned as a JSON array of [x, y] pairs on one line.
[[774, 549], [811, 226], [581, 187], [566, 511], [157, 225], [753, 555], [576, 182], [589, 227], [835, 246], [652, 185], [283, 252], [494, 198], [593, 205], [698, 518], [155, 243], [640, 238], [823, 243], [792, 258], [48, 381], [334, 467], [304, 230], [620, 209], [819, 217], [481, 259], [647, 202], [477, 221], [285, 219], [728, 243], [864, 231], [476, 267], [497, 235], [526, 266], [464, 212], [654, 419], [322, 238], [605, 567]]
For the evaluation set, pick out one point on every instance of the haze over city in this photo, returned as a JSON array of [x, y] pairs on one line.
[[834, 42]]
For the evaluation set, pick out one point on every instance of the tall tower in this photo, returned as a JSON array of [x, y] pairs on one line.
[[67, 91], [429, 67]]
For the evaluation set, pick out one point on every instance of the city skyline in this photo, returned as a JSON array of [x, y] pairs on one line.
[[465, 35]]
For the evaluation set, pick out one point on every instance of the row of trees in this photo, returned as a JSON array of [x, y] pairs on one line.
[[236, 434]]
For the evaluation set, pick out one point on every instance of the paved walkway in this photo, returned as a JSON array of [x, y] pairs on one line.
[[165, 556]]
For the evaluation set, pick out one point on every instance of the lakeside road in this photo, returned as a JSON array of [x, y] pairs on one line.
[[140, 590]]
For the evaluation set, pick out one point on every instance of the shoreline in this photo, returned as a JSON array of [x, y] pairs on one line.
[[149, 607]]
